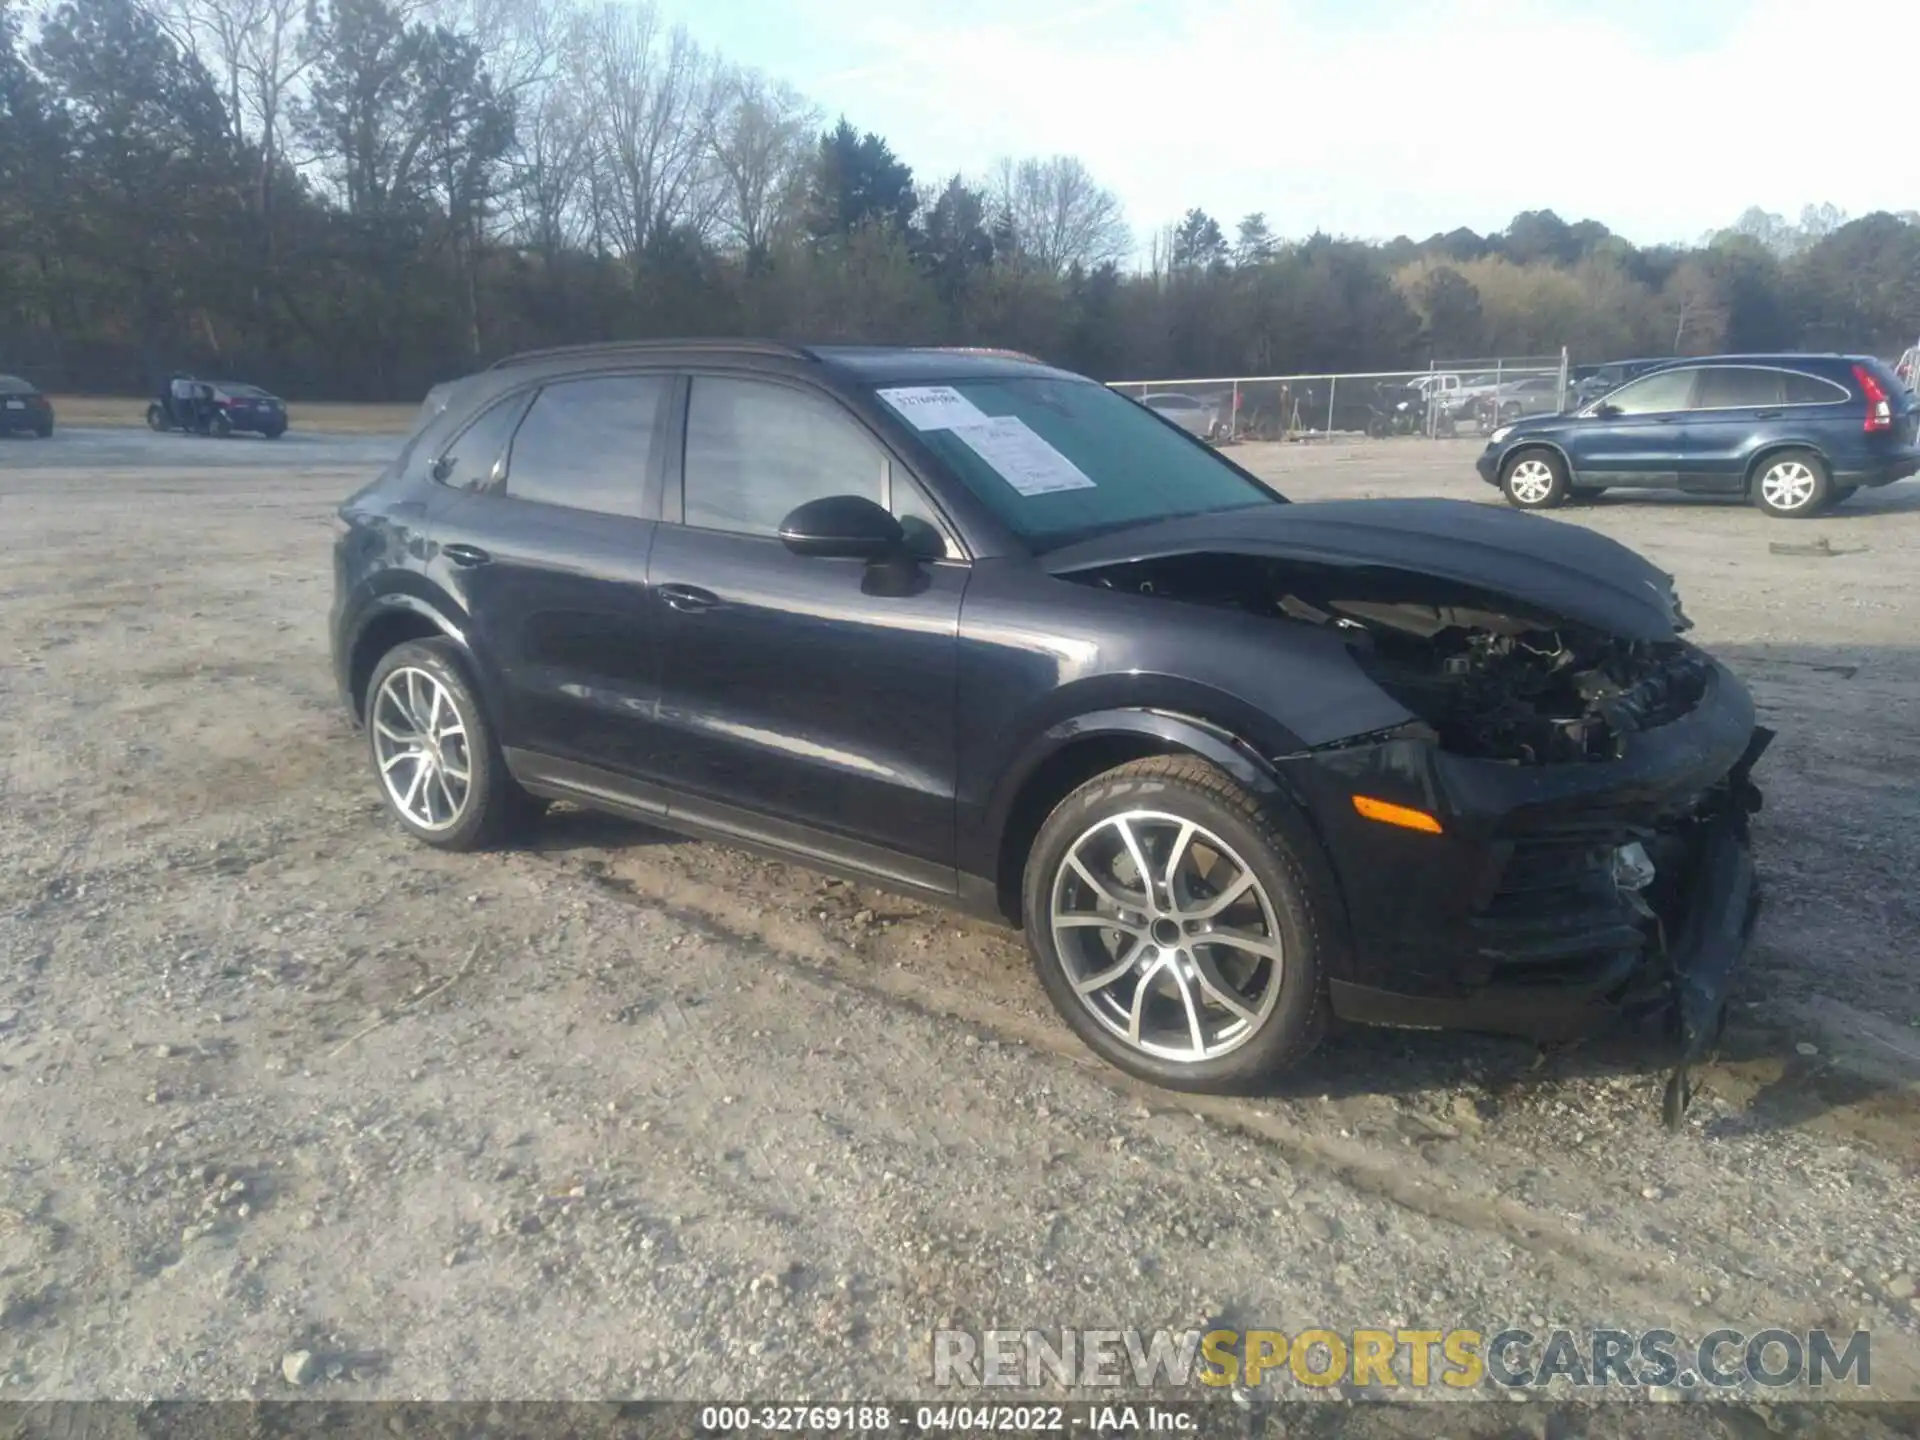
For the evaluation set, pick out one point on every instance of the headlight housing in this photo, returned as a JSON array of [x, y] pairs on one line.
[[1501, 434]]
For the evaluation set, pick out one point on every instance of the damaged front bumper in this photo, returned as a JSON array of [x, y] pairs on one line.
[[1559, 899]]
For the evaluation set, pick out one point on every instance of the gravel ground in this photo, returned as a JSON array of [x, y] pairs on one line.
[[290, 1105]]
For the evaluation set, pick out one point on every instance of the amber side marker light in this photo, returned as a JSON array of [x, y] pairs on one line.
[[1399, 815]]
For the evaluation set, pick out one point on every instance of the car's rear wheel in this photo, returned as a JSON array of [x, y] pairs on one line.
[[274, 432], [156, 418], [1177, 922], [220, 425], [434, 754], [1792, 484], [1534, 480]]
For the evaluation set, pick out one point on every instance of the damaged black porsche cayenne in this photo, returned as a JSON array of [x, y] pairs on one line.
[[985, 632]]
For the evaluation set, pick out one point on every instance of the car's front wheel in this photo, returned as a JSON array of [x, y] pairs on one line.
[[1792, 484], [1535, 480], [1178, 924], [434, 754]]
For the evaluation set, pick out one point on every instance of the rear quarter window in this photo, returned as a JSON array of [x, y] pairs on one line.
[[472, 461], [1804, 389]]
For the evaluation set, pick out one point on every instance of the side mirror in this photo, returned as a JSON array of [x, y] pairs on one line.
[[1604, 411], [442, 468], [842, 527]]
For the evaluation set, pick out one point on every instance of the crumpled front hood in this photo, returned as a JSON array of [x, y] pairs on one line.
[[1564, 570]]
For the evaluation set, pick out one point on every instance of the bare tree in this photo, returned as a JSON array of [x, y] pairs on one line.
[[654, 97], [762, 142], [253, 50], [549, 162], [1057, 215]]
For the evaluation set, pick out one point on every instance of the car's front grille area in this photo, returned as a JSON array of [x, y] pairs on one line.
[[1548, 874], [1555, 916]]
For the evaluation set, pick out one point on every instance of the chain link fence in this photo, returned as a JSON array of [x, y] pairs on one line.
[[1448, 398]]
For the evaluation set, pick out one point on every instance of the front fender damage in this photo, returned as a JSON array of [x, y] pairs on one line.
[[1722, 908], [1588, 789]]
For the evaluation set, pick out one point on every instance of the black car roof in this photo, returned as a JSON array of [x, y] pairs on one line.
[[14, 385], [868, 363]]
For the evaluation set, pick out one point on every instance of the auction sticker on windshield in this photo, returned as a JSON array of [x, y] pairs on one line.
[[933, 407], [1022, 458]]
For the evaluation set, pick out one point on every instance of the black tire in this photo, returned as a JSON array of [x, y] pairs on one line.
[[156, 418], [1522, 482], [494, 809], [1791, 472], [44, 429], [1276, 847], [275, 434]]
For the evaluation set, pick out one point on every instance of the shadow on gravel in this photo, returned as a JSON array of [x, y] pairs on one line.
[[567, 828]]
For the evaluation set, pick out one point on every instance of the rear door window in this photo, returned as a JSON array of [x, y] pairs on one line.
[[1737, 387], [1658, 394], [588, 444], [1804, 389]]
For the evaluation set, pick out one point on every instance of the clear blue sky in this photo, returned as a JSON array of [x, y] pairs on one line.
[[1660, 118]]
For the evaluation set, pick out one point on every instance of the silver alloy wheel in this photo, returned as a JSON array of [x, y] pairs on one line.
[[1166, 935], [420, 745], [1530, 481], [1788, 484]]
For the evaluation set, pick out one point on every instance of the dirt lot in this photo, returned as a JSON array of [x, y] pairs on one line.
[[623, 1115]]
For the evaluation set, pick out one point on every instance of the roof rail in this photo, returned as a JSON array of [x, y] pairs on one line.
[[993, 350], [623, 347]]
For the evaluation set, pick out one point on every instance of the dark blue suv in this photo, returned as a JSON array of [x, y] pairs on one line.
[[1795, 433]]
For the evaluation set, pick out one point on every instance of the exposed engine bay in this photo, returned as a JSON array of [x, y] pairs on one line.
[[1493, 679]]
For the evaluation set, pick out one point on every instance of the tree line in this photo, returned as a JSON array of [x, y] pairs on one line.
[[358, 198]]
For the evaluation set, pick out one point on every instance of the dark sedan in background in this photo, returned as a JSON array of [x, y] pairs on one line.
[[23, 409], [1795, 434], [248, 408]]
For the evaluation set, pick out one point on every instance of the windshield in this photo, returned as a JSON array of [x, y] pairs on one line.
[[1058, 460]]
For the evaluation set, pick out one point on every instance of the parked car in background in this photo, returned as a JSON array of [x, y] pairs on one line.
[[1466, 396], [249, 408], [1440, 389], [1795, 434], [980, 630], [1593, 381], [1196, 416], [217, 408], [23, 408], [1529, 395]]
